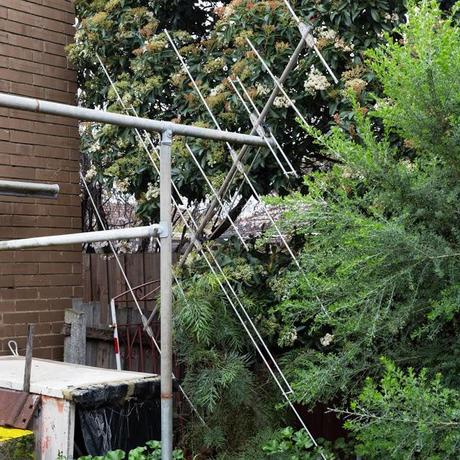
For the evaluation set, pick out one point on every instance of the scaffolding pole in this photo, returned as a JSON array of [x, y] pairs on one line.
[[28, 189], [65, 110], [162, 230], [166, 298], [150, 231]]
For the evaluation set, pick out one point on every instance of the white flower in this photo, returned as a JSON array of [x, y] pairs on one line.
[[341, 45], [228, 11], [217, 90], [121, 185], [326, 340], [127, 99], [95, 147], [90, 174], [281, 102], [152, 192], [99, 246], [262, 90], [394, 17], [288, 337], [124, 246], [327, 33], [291, 336], [316, 81]]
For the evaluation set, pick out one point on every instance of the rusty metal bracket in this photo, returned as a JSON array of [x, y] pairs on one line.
[[17, 408]]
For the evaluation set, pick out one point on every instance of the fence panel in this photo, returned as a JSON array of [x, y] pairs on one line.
[[102, 281]]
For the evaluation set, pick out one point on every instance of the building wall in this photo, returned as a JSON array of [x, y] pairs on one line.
[[36, 286]]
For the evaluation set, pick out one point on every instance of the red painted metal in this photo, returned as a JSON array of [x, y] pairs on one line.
[[17, 408], [116, 347]]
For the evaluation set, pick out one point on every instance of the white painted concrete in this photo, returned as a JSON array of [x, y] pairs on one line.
[[53, 378], [54, 428], [54, 422]]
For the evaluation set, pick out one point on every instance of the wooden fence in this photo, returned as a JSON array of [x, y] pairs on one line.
[[102, 281]]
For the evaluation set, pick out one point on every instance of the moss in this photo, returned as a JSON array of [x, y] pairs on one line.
[[16, 444]]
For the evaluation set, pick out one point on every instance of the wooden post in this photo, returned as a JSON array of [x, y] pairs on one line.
[[75, 345], [28, 362]]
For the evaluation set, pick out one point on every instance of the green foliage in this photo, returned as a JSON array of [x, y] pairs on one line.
[[128, 36], [377, 235], [151, 451], [293, 445], [405, 416], [422, 77], [380, 267], [222, 378], [16, 443]]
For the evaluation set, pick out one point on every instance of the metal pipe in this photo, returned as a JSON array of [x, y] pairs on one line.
[[54, 108], [166, 298], [260, 119], [88, 237], [116, 339], [28, 189]]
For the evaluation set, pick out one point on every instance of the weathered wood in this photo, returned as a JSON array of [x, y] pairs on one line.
[[103, 282], [92, 333], [75, 343], [86, 275], [28, 360]]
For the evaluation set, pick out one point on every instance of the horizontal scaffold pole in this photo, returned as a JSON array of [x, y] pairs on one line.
[[156, 230], [100, 116], [28, 189]]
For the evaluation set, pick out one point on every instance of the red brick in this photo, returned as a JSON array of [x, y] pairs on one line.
[[57, 327], [7, 281], [18, 293], [15, 268], [16, 76], [49, 340], [31, 305], [31, 31], [7, 305], [51, 59], [18, 318], [8, 50], [55, 13], [50, 316], [51, 279], [38, 285], [58, 353], [24, 42], [44, 353]]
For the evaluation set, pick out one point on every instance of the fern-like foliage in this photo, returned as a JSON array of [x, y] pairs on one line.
[[223, 375], [406, 415], [380, 265]]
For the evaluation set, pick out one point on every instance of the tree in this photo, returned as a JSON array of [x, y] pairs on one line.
[[377, 233], [380, 267], [406, 416], [128, 36]]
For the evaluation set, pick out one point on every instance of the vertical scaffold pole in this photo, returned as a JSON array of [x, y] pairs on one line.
[[166, 298]]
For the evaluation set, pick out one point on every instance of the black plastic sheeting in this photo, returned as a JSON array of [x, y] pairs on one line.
[[116, 417], [108, 428]]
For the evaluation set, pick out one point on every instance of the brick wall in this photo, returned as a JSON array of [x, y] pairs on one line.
[[36, 286]]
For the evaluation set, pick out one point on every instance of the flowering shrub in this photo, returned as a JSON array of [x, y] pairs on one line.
[[128, 36]]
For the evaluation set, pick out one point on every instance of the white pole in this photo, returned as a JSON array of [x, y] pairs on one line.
[[166, 298], [54, 108], [116, 341], [28, 189], [88, 237]]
